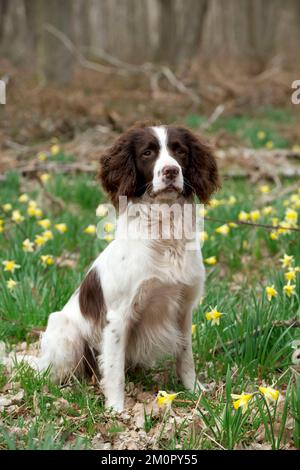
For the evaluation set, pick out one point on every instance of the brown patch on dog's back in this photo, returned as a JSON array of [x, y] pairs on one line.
[[91, 299]]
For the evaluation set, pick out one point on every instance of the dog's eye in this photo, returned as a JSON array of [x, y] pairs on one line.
[[180, 151], [147, 153]]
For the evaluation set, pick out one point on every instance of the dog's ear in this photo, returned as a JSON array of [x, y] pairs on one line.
[[117, 168], [202, 172]]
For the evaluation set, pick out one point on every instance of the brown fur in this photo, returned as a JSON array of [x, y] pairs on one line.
[[91, 300], [124, 171]]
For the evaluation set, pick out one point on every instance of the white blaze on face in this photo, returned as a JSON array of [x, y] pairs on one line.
[[164, 160]]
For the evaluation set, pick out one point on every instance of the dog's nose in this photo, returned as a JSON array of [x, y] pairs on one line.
[[170, 172]]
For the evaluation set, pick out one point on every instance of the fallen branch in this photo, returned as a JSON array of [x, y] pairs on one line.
[[152, 71], [251, 224]]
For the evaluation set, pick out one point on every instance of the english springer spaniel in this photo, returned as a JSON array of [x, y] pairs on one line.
[[136, 301]]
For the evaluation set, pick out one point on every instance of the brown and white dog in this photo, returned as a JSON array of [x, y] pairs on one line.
[[135, 303]]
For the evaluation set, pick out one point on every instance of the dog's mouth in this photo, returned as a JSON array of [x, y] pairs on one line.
[[168, 190]]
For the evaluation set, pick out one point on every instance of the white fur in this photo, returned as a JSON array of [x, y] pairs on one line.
[[150, 289]]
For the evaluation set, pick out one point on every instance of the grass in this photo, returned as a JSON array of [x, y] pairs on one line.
[[252, 346]]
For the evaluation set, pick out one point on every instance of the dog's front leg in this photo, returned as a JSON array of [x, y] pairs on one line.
[[112, 361]]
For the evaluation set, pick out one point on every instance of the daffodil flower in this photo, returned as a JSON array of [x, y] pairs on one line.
[[17, 217], [194, 328], [254, 215], [274, 235], [42, 156], [289, 289], [108, 227], [40, 240], [268, 210], [45, 223], [108, 238], [290, 275], [261, 135], [211, 260], [47, 260], [23, 198], [33, 211], [28, 246], [61, 228], [241, 401], [271, 292], [55, 149], [11, 284], [265, 189], [286, 261], [243, 216], [291, 216], [214, 316], [269, 393], [90, 229], [270, 145], [203, 236], [10, 266], [231, 201], [45, 177], [101, 211], [7, 207], [47, 234], [165, 399], [223, 229]]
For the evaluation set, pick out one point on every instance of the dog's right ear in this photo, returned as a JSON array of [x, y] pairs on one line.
[[117, 169]]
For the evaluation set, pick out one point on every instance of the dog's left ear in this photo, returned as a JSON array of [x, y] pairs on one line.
[[202, 171]]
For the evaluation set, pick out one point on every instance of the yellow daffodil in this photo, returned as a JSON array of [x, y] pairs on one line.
[[291, 216], [274, 235], [23, 198], [265, 189], [11, 284], [7, 207], [10, 266], [289, 289], [211, 260], [101, 211], [33, 211], [231, 201], [233, 225], [290, 275], [55, 149], [271, 292], [1, 226], [243, 216], [108, 227], [214, 316], [286, 261], [203, 236], [42, 156], [223, 229], [47, 234], [270, 145], [45, 223], [214, 203], [47, 260], [261, 135], [254, 215], [269, 393], [17, 217], [108, 238], [40, 240], [45, 177], [165, 399], [241, 401], [61, 228], [194, 328], [202, 211], [90, 229], [268, 210], [27, 246], [32, 203]]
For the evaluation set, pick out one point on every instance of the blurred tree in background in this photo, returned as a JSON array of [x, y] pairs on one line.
[[249, 34]]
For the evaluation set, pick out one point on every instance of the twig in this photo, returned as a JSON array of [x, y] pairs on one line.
[[55, 200], [251, 224]]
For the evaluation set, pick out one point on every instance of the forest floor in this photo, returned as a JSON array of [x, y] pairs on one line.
[[253, 280]]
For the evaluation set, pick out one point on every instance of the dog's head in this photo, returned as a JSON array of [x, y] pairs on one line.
[[160, 162]]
